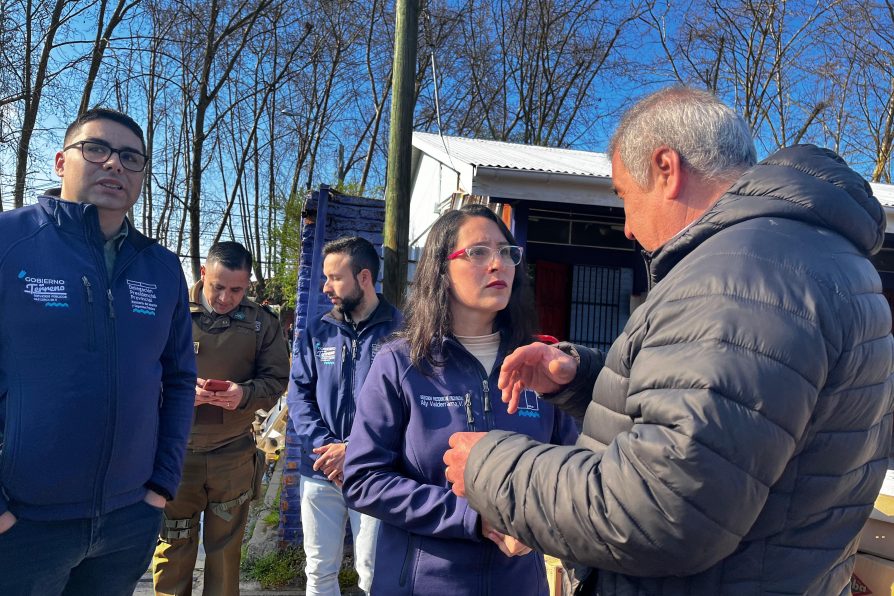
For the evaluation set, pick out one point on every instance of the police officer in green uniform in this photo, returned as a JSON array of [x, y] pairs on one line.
[[240, 343]]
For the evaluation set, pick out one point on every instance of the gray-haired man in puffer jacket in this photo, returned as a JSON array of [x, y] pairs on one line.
[[738, 430]]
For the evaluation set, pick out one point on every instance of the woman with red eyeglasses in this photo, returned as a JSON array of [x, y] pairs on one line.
[[469, 307]]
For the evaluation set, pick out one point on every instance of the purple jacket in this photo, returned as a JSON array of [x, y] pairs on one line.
[[430, 540]]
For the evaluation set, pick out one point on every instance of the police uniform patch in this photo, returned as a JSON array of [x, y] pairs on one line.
[[258, 326]]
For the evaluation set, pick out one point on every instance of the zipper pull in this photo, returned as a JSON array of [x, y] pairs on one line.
[[344, 353], [88, 288], [354, 349], [111, 304], [486, 397], [470, 419]]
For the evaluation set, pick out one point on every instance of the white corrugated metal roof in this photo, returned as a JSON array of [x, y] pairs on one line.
[[480, 153], [884, 193], [513, 156]]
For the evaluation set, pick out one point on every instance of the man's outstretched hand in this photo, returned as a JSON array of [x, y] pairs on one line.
[[455, 458], [537, 366]]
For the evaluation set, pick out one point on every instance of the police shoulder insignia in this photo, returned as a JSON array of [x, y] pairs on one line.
[[195, 347]]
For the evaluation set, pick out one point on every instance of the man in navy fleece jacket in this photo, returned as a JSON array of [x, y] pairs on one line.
[[97, 373]]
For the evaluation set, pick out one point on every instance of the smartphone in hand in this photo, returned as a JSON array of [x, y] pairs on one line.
[[215, 385]]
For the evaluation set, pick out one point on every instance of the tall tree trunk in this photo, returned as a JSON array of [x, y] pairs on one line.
[[103, 36], [33, 91]]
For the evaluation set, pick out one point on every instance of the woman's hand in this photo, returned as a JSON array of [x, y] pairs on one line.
[[509, 546]]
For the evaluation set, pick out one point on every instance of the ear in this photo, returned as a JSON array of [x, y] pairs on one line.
[[666, 170], [365, 278], [59, 164], [202, 272]]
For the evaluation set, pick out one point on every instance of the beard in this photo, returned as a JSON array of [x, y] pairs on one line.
[[350, 302]]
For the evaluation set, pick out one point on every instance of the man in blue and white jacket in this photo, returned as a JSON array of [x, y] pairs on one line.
[[330, 363], [97, 373]]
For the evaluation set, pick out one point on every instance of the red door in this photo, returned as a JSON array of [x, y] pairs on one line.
[[551, 294]]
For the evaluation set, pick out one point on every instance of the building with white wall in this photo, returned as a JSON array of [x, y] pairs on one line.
[[560, 206]]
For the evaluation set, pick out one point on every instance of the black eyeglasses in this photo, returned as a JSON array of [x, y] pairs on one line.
[[96, 152]]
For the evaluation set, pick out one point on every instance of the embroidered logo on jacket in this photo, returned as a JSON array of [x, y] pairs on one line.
[[48, 291], [143, 300], [441, 401], [325, 354], [529, 404]]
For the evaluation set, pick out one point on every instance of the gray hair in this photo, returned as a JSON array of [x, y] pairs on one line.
[[710, 138]]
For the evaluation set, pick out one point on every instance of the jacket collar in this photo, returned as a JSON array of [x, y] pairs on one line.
[[384, 312], [195, 305], [450, 344], [83, 219]]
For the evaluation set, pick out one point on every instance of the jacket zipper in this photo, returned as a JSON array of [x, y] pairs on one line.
[[348, 373], [113, 393], [347, 369], [353, 371], [408, 559], [488, 559], [485, 397], [111, 367], [470, 417], [91, 324], [647, 259]]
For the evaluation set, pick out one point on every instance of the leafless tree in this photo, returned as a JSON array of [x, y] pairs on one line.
[[104, 32], [863, 68], [527, 68], [223, 30], [760, 53], [41, 22]]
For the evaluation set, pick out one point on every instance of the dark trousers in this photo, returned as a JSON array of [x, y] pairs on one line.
[[103, 555]]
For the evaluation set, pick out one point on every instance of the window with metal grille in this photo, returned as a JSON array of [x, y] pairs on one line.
[[600, 304]]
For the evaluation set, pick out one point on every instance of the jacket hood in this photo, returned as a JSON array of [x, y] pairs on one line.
[[804, 183]]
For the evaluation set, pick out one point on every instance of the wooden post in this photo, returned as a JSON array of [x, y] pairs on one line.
[[397, 193]]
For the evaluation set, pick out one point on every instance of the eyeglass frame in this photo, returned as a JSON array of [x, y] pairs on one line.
[[112, 150], [497, 251]]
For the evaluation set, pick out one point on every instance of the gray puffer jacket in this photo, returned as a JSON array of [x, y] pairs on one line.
[[737, 434]]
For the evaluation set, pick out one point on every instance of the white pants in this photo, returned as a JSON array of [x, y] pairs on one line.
[[323, 518]]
